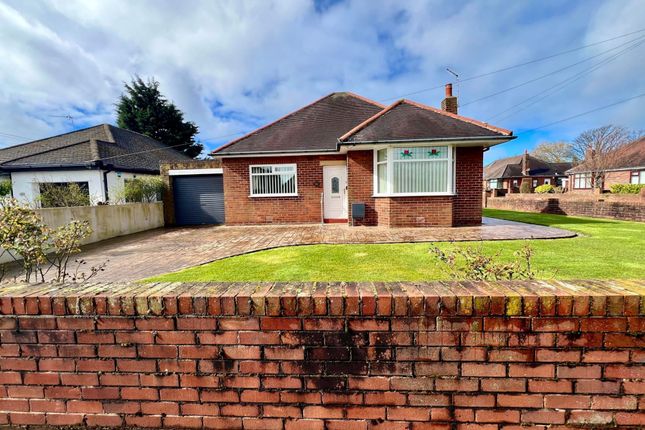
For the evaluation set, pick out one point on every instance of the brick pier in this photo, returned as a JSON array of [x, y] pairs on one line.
[[485, 356]]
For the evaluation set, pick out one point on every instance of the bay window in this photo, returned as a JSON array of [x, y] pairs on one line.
[[413, 170], [273, 180]]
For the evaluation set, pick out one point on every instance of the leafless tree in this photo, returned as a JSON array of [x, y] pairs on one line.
[[554, 152], [598, 148]]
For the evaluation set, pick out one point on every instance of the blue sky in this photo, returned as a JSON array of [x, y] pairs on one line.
[[232, 66]]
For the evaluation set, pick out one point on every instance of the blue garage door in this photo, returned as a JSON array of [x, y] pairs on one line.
[[199, 199]]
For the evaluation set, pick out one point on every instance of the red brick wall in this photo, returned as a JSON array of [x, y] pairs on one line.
[[462, 209], [338, 356], [629, 208], [469, 167], [360, 183], [415, 211], [240, 208], [613, 178]]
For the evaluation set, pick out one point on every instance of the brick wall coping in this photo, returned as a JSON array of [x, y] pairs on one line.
[[509, 298]]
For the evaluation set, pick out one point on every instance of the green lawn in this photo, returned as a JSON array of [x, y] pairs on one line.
[[604, 249]]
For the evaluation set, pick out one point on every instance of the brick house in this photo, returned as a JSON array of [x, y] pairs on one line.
[[507, 174], [344, 158], [626, 166]]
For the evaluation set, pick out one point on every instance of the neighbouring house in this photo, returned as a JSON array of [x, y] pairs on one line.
[[625, 165], [344, 158], [507, 174], [99, 159]]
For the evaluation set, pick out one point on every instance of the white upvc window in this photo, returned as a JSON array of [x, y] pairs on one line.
[[637, 177], [418, 170], [582, 180], [273, 180]]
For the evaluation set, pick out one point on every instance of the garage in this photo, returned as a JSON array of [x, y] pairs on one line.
[[198, 196]]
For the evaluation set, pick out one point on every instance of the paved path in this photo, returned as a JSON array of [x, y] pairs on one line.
[[156, 252]]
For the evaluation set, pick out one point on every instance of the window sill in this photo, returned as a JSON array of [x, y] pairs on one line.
[[415, 195], [262, 196]]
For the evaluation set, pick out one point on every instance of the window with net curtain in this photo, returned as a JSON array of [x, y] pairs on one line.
[[413, 170]]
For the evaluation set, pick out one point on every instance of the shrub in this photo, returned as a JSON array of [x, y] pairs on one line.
[[43, 249], [544, 189], [627, 188], [525, 187], [471, 263], [143, 190], [5, 188], [56, 195]]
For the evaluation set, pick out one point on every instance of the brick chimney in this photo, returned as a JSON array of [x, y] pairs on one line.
[[449, 104], [525, 163]]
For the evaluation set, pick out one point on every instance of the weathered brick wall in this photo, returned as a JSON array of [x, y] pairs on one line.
[[240, 208], [512, 356], [631, 208]]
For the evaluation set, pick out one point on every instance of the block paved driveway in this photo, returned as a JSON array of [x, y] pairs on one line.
[[160, 251]]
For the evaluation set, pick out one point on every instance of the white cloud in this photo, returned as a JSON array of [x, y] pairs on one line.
[[256, 60]]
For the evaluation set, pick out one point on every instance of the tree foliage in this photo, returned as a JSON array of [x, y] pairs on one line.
[[145, 110], [143, 190], [5, 187], [54, 195], [598, 148], [554, 152]]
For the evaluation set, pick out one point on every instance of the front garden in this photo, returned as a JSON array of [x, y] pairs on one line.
[[604, 249]]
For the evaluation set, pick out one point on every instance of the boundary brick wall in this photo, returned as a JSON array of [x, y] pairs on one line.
[[628, 209], [441, 356]]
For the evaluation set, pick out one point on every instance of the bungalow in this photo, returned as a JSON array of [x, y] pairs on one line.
[[99, 159], [625, 165], [344, 158], [507, 174]]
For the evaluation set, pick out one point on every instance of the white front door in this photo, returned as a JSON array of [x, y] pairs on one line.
[[335, 192]]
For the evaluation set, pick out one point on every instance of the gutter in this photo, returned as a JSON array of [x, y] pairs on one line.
[[435, 139]]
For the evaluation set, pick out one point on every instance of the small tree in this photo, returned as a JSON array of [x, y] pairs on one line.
[[54, 195], [598, 149], [145, 110], [525, 186], [5, 187], [554, 152], [143, 190]]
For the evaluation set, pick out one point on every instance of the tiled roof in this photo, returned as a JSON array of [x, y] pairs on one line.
[[315, 127], [349, 118], [628, 156], [112, 146], [511, 167], [408, 120]]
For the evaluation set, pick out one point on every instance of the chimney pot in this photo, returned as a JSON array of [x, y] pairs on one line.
[[449, 103]]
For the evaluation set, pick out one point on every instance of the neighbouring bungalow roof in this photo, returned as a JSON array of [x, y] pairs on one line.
[[629, 156], [104, 144], [408, 120], [511, 167], [346, 118]]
